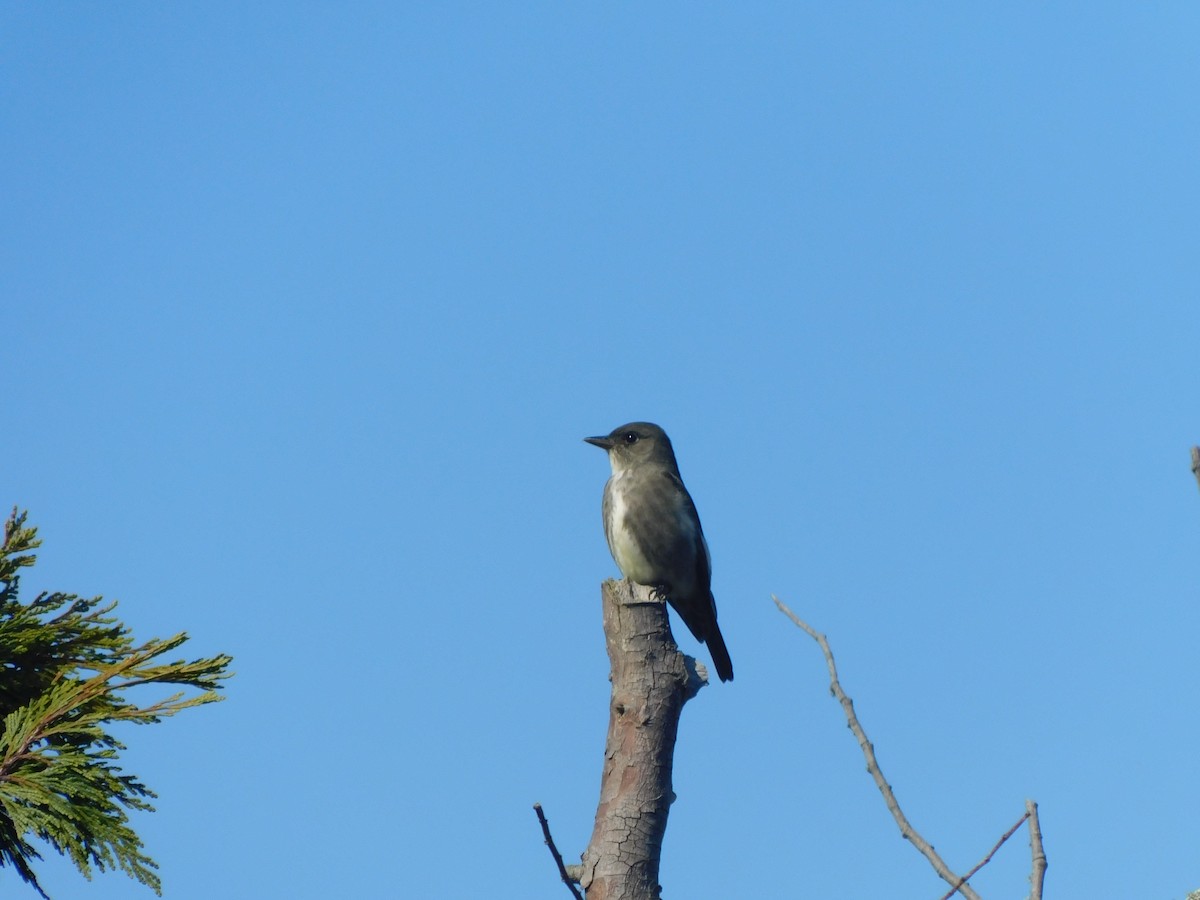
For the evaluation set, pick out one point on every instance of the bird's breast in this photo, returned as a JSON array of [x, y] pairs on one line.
[[623, 540]]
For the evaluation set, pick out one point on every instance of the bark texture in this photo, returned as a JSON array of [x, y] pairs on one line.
[[651, 680]]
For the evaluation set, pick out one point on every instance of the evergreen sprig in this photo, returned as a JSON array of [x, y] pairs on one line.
[[66, 664]]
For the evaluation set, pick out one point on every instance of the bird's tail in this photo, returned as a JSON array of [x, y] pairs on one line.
[[720, 655]]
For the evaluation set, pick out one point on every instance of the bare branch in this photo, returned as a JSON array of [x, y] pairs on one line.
[[1196, 463], [1039, 854], [907, 832], [651, 681], [987, 859], [558, 860]]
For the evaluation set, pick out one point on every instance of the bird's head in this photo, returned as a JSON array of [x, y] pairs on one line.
[[635, 444]]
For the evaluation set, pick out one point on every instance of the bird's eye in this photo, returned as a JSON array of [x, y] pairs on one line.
[[630, 437]]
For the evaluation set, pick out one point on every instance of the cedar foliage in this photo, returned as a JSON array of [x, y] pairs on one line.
[[67, 664]]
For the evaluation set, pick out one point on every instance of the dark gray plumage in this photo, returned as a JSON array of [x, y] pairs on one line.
[[654, 532]]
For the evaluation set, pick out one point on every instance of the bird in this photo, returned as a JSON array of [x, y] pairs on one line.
[[654, 532]]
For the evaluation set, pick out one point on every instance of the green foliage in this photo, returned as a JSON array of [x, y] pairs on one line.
[[66, 665]]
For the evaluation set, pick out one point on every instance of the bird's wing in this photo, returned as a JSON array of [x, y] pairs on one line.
[[695, 605], [703, 561]]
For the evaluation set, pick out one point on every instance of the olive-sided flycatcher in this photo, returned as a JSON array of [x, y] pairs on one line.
[[654, 532]]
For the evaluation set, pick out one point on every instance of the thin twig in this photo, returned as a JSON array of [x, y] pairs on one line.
[[987, 859], [558, 860], [907, 832], [1196, 463], [1039, 853]]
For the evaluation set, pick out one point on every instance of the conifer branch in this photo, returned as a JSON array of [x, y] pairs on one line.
[[68, 663]]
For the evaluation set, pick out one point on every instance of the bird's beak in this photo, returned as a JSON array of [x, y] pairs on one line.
[[604, 443]]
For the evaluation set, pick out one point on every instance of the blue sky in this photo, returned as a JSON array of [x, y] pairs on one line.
[[307, 308]]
